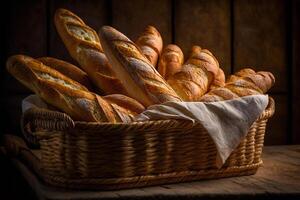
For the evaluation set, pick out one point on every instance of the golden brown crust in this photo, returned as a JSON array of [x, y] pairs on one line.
[[84, 46], [170, 61], [75, 32], [243, 83], [62, 92], [67, 69], [263, 80], [219, 80], [136, 73], [196, 75], [125, 102], [42, 71], [241, 73], [223, 93], [99, 71], [150, 44]]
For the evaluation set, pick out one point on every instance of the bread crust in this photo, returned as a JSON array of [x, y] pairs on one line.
[[84, 46], [243, 83], [196, 76], [68, 70], [66, 94], [134, 70], [171, 61], [150, 43]]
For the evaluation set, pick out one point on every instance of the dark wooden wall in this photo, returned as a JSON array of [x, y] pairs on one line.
[[263, 34]]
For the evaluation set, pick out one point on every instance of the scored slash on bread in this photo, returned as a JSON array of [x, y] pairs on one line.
[[243, 72], [18, 66], [68, 70], [84, 46], [70, 96], [219, 80], [150, 43], [134, 70], [170, 61], [196, 75]]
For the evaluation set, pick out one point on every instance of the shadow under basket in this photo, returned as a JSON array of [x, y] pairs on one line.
[[107, 156]]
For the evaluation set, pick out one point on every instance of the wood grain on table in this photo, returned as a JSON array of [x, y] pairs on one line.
[[279, 177]]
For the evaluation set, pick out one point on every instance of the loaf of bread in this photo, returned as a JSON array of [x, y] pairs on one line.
[[150, 44], [125, 102], [241, 73], [196, 75], [219, 80], [170, 61], [133, 69], [68, 70], [84, 46], [68, 95], [243, 83]]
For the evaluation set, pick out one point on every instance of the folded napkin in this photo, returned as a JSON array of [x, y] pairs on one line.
[[227, 122]]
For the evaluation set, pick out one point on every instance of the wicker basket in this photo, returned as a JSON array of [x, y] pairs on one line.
[[112, 156]]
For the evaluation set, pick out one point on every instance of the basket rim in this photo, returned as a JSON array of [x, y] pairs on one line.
[[59, 121]]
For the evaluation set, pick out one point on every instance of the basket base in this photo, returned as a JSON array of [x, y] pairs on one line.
[[31, 158], [142, 181]]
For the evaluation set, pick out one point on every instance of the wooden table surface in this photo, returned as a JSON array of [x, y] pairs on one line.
[[279, 177]]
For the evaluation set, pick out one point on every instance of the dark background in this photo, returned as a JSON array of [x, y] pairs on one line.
[[263, 34]]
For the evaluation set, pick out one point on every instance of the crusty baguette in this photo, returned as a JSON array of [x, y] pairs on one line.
[[241, 73], [125, 102], [262, 79], [133, 69], [84, 46], [66, 94], [170, 61], [219, 80], [196, 75], [245, 82], [18, 66], [68, 70], [150, 44]]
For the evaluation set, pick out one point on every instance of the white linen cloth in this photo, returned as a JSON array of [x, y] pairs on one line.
[[227, 122]]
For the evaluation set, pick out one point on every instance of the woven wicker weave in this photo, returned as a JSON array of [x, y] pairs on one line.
[[111, 156]]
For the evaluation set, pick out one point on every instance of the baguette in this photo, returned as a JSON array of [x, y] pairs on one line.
[[68, 70], [150, 44], [219, 80], [245, 82], [125, 102], [239, 74], [196, 75], [84, 46], [170, 61], [133, 69], [64, 93]]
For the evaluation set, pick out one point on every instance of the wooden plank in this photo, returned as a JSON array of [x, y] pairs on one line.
[[132, 16], [207, 24], [260, 38], [276, 132], [26, 34], [295, 73], [278, 177], [93, 13]]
